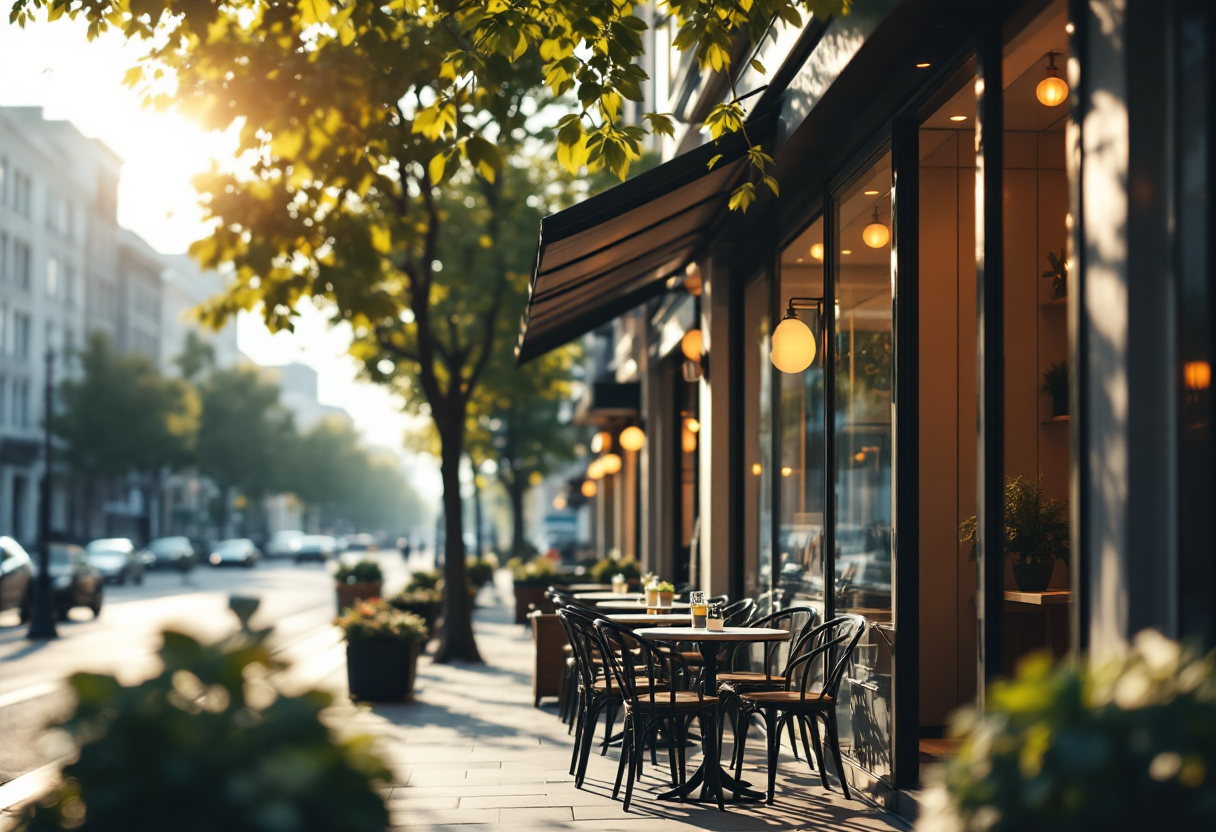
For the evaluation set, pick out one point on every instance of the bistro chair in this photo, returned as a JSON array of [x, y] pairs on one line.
[[756, 666], [643, 672], [829, 646], [597, 692]]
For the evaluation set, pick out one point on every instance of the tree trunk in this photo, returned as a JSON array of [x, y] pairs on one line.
[[518, 546], [456, 630]]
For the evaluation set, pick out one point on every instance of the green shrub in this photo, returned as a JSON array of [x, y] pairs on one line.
[[381, 620], [603, 571], [424, 603], [660, 586], [1127, 744], [1036, 526], [481, 572], [363, 572], [539, 572], [209, 744], [425, 579]]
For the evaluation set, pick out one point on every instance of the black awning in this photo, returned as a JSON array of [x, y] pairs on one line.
[[602, 257]]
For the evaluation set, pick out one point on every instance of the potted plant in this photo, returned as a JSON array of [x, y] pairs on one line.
[[1125, 743], [480, 572], [666, 592], [208, 743], [1055, 384], [1036, 533], [354, 583], [424, 603], [531, 579], [382, 645], [652, 592], [603, 570], [1058, 273]]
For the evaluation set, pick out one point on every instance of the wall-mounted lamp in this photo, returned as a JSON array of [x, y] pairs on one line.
[[601, 442], [595, 471], [793, 342], [1052, 90], [589, 489], [876, 234], [692, 280], [559, 503], [632, 438], [611, 463], [692, 345]]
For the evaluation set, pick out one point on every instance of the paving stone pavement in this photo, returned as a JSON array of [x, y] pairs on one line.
[[471, 753]]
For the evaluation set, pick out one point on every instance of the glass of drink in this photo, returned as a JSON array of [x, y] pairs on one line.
[[713, 618], [696, 603]]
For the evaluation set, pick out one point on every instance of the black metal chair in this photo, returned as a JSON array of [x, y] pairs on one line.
[[644, 671], [756, 666], [827, 648], [597, 691]]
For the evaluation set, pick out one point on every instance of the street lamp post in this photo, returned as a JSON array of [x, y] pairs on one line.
[[42, 622]]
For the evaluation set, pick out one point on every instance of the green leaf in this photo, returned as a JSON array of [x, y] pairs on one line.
[[314, 11], [772, 185], [759, 67], [436, 166], [742, 197], [713, 162]]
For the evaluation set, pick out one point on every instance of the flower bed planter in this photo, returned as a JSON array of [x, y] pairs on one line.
[[381, 669], [524, 596], [348, 594]]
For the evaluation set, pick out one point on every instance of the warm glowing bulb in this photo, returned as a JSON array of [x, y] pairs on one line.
[[559, 502], [590, 489], [1198, 375], [535, 478], [691, 345], [688, 441], [693, 425], [757, 468], [1052, 90], [611, 463], [817, 251], [601, 442], [786, 470], [793, 346], [632, 438], [923, 65], [692, 282], [595, 471], [876, 235], [958, 118], [846, 251]]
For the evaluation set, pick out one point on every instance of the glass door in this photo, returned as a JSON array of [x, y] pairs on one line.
[[863, 441]]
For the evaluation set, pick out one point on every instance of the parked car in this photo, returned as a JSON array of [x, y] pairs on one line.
[[359, 543], [169, 553], [239, 551], [117, 559], [76, 582], [16, 574], [284, 543], [318, 547]]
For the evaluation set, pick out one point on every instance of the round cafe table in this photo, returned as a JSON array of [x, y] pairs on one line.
[[637, 605], [608, 596], [709, 642], [634, 619]]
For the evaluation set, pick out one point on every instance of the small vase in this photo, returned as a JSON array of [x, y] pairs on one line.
[[1033, 576], [665, 599], [652, 598]]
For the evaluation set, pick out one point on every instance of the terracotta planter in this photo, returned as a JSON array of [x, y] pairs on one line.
[[1033, 576], [665, 598], [348, 594], [381, 670], [652, 598], [524, 595]]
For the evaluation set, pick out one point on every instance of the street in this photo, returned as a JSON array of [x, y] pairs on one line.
[[297, 600]]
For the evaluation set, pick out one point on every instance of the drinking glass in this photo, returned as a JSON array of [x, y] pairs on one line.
[[696, 603], [713, 619]]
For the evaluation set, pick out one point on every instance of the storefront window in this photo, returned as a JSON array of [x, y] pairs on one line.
[[801, 474], [757, 420], [863, 438]]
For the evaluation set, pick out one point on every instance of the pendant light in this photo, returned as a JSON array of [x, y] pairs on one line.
[[632, 438], [876, 234], [589, 489], [611, 463], [794, 347], [691, 345], [1052, 90]]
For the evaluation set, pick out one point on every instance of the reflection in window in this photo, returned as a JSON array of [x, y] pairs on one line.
[[757, 420], [802, 476]]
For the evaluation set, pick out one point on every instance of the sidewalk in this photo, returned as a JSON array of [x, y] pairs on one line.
[[471, 753]]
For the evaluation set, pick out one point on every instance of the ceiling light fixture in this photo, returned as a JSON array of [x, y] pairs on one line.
[[876, 234], [846, 251], [611, 463], [958, 118], [1052, 90], [922, 65], [870, 193], [632, 438], [817, 251]]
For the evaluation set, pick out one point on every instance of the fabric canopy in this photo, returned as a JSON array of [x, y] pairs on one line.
[[604, 256]]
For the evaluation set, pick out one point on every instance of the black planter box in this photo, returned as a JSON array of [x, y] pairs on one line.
[[381, 670]]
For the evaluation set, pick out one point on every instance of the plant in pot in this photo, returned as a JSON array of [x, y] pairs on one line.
[[382, 646], [1036, 533], [480, 572], [357, 582], [208, 743], [1058, 274], [424, 603], [531, 579], [603, 571], [665, 593], [1125, 743], [1055, 384]]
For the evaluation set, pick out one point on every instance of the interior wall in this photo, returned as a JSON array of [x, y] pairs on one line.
[[947, 422]]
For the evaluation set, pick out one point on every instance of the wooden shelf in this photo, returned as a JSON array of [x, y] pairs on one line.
[[1049, 598], [1055, 419], [1058, 303]]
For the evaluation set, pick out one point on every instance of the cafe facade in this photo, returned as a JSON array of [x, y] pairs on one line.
[[990, 258]]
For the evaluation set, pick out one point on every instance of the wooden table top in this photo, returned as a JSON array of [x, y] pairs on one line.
[[634, 605], [728, 634], [608, 596], [1048, 598], [675, 619]]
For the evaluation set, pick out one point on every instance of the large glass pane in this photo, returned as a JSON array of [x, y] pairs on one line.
[[802, 475], [862, 425], [757, 443]]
